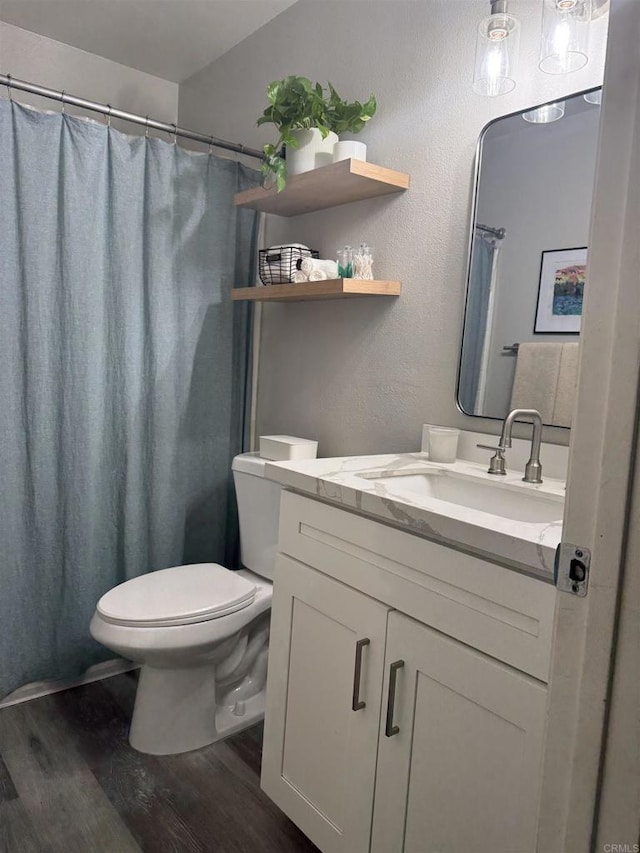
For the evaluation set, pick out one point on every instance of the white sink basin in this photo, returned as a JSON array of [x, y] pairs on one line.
[[460, 504], [501, 499]]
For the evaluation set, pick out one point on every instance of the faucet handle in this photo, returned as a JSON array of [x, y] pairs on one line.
[[497, 462]]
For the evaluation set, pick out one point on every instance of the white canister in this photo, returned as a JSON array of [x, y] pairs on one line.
[[313, 151], [443, 443], [349, 150]]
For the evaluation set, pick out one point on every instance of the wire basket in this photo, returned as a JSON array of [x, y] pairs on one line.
[[278, 264]]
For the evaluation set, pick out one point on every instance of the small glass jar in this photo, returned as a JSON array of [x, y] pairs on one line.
[[345, 262], [363, 263]]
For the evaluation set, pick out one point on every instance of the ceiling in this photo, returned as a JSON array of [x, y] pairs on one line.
[[171, 39]]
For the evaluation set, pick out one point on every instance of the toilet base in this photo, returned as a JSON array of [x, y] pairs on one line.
[[175, 711], [229, 720]]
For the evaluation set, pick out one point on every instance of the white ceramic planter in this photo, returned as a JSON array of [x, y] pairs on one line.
[[349, 150], [313, 152]]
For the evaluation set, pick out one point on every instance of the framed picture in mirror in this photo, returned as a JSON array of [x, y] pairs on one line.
[[560, 291]]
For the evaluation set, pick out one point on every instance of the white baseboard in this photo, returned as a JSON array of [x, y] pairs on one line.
[[36, 689]]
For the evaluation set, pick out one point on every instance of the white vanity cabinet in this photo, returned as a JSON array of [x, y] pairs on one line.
[[406, 694]]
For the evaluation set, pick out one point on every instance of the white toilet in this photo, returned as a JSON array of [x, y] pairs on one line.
[[201, 632]]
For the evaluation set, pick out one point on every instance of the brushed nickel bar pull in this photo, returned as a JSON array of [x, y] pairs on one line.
[[390, 729], [356, 703]]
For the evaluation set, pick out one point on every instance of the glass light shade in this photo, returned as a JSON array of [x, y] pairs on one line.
[[599, 8], [564, 45], [594, 97], [545, 114], [497, 48]]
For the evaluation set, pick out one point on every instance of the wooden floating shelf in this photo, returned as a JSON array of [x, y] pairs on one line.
[[329, 186], [334, 288]]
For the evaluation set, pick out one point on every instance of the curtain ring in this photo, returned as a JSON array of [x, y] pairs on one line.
[[211, 146], [175, 134], [146, 127], [9, 87], [62, 99], [109, 115]]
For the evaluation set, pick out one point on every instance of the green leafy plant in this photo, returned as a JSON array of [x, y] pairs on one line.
[[296, 103], [344, 117]]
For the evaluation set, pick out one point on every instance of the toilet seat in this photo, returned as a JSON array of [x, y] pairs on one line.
[[181, 595]]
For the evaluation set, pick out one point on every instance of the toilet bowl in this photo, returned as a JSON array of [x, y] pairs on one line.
[[200, 632]]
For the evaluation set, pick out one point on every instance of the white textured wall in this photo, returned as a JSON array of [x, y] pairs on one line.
[[363, 375], [28, 56]]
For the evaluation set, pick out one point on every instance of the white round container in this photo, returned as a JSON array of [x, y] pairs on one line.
[[312, 153], [348, 149]]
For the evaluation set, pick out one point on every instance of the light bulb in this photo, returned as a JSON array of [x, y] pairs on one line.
[[496, 55], [594, 97], [564, 43], [561, 38]]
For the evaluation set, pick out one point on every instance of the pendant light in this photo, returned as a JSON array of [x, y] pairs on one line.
[[564, 45], [545, 114], [497, 46], [594, 97]]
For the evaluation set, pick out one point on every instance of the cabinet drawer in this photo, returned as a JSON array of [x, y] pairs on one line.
[[507, 615]]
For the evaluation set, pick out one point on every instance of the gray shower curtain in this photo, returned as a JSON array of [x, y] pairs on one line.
[[122, 372], [475, 323]]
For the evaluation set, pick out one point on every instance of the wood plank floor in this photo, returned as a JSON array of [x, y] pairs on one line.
[[70, 783]]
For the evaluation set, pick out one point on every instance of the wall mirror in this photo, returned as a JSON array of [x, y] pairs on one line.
[[529, 232]]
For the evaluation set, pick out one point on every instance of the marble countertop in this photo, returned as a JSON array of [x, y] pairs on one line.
[[522, 545]]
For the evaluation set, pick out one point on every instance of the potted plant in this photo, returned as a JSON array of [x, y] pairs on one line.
[[308, 120]]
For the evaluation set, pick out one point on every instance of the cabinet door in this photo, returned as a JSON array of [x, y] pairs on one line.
[[462, 770], [319, 753]]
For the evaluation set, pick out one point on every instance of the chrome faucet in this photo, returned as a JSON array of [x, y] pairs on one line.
[[533, 468]]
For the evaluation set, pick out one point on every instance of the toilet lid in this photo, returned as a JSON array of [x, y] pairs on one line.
[[181, 595]]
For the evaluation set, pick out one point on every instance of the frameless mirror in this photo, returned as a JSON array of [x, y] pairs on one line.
[[526, 275]]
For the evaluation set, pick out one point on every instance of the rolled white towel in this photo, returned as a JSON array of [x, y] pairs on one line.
[[318, 275], [279, 248], [330, 268], [298, 277], [306, 265]]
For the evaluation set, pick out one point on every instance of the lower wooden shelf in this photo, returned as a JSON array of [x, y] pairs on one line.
[[334, 288]]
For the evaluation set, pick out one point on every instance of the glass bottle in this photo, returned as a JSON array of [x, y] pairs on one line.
[[363, 263], [345, 262]]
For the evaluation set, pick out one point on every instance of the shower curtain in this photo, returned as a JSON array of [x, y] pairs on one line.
[[122, 373], [483, 261]]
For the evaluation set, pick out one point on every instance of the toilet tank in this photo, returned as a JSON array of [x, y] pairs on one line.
[[258, 513]]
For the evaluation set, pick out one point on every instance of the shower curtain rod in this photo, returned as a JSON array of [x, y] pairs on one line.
[[106, 109], [496, 232]]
